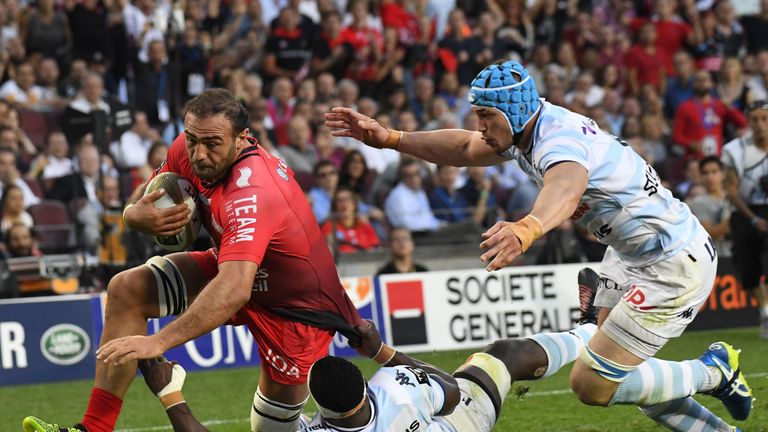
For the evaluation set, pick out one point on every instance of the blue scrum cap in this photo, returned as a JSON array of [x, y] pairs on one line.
[[507, 87]]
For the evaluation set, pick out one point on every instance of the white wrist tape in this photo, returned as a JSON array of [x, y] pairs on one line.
[[171, 394]]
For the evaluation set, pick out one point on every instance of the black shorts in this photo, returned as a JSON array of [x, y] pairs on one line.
[[750, 248]]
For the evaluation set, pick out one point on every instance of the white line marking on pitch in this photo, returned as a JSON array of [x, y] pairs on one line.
[[233, 421]]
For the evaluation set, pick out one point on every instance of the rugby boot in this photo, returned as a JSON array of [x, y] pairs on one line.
[[588, 282], [733, 390], [34, 424]]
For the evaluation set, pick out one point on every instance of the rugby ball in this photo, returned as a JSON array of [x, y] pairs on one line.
[[177, 190]]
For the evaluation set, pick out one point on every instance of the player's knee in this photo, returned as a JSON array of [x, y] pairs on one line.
[[524, 358], [586, 386], [271, 416], [126, 291]]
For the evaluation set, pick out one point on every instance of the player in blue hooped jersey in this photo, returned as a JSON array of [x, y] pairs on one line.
[[660, 263]]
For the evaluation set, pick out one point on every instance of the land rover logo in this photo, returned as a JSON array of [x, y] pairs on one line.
[[65, 344]]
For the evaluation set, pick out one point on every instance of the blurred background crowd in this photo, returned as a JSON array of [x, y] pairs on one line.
[[92, 93]]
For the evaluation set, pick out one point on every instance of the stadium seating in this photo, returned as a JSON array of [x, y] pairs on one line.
[[53, 226]]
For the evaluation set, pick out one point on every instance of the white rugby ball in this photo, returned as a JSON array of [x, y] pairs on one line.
[[177, 190]]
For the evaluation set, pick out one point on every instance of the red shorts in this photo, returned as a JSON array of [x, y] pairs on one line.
[[287, 348]]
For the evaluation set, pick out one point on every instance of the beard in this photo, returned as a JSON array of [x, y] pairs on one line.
[[700, 93]]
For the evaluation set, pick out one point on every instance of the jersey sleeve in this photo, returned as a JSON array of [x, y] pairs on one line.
[[250, 217], [562, 146]]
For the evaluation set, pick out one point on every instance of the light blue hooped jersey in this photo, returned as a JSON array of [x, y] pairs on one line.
[[624, 206], [404, 399]]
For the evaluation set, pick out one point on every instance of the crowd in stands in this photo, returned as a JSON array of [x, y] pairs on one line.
[[92, 94]]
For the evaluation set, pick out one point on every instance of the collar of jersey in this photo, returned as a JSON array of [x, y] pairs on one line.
[[372, 421], [252, 150]]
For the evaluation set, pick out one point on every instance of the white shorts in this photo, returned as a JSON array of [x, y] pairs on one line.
[[474, 412], [655, 303]]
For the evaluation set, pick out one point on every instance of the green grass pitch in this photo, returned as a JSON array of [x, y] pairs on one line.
[[223, 398]]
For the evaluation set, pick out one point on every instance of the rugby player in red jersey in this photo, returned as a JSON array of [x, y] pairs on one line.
[[272, 271]]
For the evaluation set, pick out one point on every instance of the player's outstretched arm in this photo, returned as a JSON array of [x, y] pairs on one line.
[[216, 303], [371, 346], [165, 379], [457, 147], [564, 185]]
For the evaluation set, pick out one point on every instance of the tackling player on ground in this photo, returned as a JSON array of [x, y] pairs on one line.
[[658, 269], [272, 271], [406, 394]]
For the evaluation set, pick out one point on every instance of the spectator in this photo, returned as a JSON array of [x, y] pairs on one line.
[[700, 121], [401, 250], [79, 117], [672, 33], [48, 79], [446, 202], [81, 184], [280, 108], [729, 30], [566, 66], [654, 144], [485, 46], [346, 231], [712, 207], [454, 50], [9, 175], [758, 83], [424, 91], [194, 61], [46, 31], [20, 242], [331, 52], [747, 188], [288, 47], [680, 86], [321, 195], [732, 87], [23, 92], [88, 25], [80, 190], [756, 29], [55, 161], [155, 89], [585, 86], [132, 149], [643, 63], [155, 158], [299, 153], [12, 208], [691, 182], [407, 204], [477, 192], [355, 175]]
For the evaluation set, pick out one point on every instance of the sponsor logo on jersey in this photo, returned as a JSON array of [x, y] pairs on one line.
[[243, 212], [65, 344], [245, 175], [282, 169], [580, 211], [260, 281], [403, 379], [421, 376]]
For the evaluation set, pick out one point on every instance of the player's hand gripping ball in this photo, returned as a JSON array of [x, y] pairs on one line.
[[177, 191]]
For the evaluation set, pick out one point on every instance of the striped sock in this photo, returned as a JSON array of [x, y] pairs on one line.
[[656, 381], [563, 348], [686, 414]]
